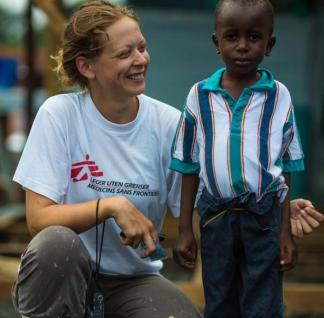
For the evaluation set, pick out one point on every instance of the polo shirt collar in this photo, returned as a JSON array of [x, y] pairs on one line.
[[265, 82]]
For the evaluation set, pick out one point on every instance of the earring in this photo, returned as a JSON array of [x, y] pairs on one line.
[[217, 51]]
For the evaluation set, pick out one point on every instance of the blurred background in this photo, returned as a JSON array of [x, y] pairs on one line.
[[179, 41]]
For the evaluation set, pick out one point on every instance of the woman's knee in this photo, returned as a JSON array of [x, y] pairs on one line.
[[54, 274], [55, 245]]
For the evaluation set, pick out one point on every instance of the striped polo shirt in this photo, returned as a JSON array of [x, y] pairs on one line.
[[242, 145]]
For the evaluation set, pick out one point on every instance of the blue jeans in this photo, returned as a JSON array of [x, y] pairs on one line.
[[240, 251]]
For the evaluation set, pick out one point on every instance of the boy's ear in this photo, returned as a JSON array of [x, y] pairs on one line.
[[271, 44], [84, 67], [215, 41]]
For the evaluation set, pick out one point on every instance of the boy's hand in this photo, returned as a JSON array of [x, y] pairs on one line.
[[289, 255], [185, 250]]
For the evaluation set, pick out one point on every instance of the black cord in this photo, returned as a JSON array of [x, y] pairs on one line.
[[98, 252]]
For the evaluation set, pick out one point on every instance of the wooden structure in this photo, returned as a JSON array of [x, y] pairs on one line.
[[13, 237], [54, 11]]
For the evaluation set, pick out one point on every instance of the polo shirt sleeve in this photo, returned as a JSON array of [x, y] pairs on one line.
[[292, 154], [184, 156]]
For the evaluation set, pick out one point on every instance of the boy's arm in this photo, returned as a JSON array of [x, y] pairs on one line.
[[288, 247], [185, 248]]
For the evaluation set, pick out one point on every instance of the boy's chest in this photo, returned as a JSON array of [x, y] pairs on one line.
[[249, 118]]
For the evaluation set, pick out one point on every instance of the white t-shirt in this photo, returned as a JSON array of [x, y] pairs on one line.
[[73, 154]]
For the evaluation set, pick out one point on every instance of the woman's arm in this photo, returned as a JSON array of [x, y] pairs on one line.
[[42, 212]]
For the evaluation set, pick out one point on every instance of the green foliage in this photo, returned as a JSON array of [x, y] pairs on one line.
[[12, 28]]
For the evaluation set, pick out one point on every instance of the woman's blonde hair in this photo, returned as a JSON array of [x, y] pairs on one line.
[[84, 36]]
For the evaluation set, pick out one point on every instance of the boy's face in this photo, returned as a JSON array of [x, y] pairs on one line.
[[243, 37]]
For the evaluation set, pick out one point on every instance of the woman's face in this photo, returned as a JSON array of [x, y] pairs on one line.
[[121, 67]]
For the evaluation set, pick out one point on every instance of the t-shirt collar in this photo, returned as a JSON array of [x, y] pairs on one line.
[[265, 82]]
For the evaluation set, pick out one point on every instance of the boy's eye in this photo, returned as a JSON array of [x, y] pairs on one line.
[[230, 36], [255, 36]]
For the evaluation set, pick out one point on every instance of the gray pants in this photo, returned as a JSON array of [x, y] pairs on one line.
[[55, 280]]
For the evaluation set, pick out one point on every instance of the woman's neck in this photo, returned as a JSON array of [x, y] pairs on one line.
[[118, 111]]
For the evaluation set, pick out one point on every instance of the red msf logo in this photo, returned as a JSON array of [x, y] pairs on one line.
[[80, 170]]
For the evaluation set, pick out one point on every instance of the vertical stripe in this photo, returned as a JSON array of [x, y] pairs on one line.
[[288, 117], [228, 147], [258, 150], [207, 185], [236, 160], [264, 156], [176, 137], [242, 143], [287, 156], [287, 130], [209, 132], [270, 126], [213, 148], [195, 132], [188, 138]]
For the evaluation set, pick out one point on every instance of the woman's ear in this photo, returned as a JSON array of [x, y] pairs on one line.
[[215, 41], [271, 44], [84, 67]]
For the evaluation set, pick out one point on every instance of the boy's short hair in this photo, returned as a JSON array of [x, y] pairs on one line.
[[265, 4]]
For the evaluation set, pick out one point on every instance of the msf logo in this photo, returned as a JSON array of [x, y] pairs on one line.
[[80, 171]]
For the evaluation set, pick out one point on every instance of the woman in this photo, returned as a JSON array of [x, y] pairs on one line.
[[109, 142]]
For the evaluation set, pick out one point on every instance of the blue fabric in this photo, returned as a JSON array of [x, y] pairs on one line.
[[240, 251], [8, 72], [293, 166], [184, 167], [206, 117], [188, 138], [266, 177]]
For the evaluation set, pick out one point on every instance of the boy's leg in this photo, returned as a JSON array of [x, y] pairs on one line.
[[261, 275], [146, 296], [54, 275], [219, 254]]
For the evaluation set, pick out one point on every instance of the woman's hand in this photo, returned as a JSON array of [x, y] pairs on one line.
[[136, 228], [80, 217], [304, 217]]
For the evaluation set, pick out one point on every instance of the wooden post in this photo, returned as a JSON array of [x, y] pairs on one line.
[[29, 79], [54, 11]]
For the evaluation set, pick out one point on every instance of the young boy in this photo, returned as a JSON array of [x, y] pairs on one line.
[[238, 137]]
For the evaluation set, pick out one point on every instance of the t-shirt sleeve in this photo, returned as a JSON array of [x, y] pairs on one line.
[[184, 152], [43, 166], [172, 178]]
